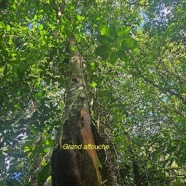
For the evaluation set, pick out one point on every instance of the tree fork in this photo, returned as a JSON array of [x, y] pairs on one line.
[[72, 166]]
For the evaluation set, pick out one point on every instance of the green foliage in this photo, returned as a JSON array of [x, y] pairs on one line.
[[43, 174], [115, 41], [135, 71]]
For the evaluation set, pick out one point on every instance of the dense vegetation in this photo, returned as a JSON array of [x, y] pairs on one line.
[[135, 70]]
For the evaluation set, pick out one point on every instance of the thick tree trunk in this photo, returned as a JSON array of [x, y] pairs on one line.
[[73, 164]]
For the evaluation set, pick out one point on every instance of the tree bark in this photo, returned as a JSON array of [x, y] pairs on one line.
[[136, 169], [110, 170], [72, 164]]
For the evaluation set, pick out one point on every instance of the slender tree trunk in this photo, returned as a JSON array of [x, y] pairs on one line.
[[136, 169], [72, 164]]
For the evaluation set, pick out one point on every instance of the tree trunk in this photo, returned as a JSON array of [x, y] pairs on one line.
[[110, 171], [136, 169], [73, 162]]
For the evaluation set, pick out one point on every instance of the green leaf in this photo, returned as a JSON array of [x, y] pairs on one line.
[[49, 142], [40, 27], [122, 55], [123, 32], [112, 32], [129, 43], [93, 84], [43, 175], [113, 57], [92, 66], [109, 31], [8, 27], [104, 40], [32, 129], [17, 165], [80, 18], [2, 25], [10, 41], [27, 149], [35, 17], [104, 30], [103, 51]]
